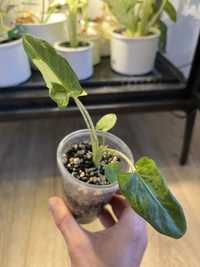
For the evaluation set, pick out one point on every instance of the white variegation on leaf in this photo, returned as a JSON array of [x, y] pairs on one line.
[[56, 71]]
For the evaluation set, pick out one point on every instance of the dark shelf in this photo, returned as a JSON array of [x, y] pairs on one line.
[[105, 88], [164, 72]]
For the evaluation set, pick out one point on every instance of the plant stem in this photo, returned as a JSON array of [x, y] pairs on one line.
[[3, 27], [48, 15], [85, 16], [91, 128], [157, 15], [146, 11], [72, 28], [1, 22], [49, 12], [43, 12], [122, 155]]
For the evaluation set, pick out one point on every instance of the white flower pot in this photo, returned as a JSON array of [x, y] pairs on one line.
[[133, 56], [53, 31], [14, 64], [79, 58]]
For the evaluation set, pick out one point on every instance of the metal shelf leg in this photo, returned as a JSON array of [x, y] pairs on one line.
[[189, 126]]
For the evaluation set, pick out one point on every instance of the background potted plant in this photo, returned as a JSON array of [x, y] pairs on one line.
[[48, 24], [106, 25], [14, 63], [77, 52], [87, 34], [138, 39], [94, 163]]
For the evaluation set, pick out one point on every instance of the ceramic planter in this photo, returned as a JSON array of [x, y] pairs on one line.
[[79, 58], [53, 31], [14, 64], [133, 56], [86, 200]]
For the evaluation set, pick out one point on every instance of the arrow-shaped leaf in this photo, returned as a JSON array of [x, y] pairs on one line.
[[54, 68], [150, 197]]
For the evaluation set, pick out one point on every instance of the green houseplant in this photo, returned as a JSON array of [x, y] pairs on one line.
[[47, 9], [48, 23], [14, 64], [141, 183], [79, 54], [141, 29]]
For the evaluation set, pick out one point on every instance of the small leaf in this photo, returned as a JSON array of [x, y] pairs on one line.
[[54, 68], [150, 197], [111, 171], [107, 122], [170, 10]]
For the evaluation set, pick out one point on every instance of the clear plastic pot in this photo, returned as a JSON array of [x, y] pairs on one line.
[[86, 200]]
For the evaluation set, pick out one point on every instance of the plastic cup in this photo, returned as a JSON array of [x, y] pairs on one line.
[[87, 200]]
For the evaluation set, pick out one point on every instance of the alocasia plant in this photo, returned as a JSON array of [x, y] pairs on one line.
[[143, 186], [142, 17]]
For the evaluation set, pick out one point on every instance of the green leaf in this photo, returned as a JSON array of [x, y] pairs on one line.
[[58, 94], [106, 123], [15, 32], [163, 36], [150, 197], [170, 11], [124, 10], [111, 171], [55, 70]]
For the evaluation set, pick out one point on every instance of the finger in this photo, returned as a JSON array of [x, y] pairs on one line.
[[65, 222], [106, 218], [118, 204]]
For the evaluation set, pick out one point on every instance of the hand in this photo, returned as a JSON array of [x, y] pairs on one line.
[[121, 244]]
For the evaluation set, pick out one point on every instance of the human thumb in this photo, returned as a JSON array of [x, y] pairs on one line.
[[71, 231]]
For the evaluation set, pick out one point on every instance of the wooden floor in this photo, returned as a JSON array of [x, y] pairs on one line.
[[28, 177]]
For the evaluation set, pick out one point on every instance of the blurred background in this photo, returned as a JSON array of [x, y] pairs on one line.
[[182, 36]]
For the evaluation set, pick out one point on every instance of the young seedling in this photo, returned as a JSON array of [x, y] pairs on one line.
[[143, 186], [142, 17]]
